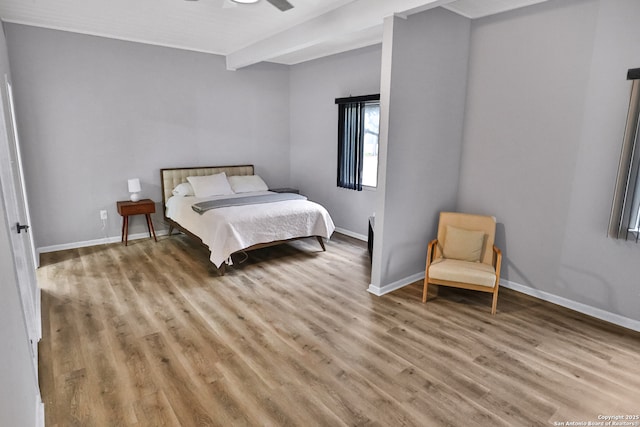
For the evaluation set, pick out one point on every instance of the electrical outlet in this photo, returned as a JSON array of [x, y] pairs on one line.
[[103, 214]]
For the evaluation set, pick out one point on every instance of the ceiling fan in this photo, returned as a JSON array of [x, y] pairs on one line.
[[282, 5]]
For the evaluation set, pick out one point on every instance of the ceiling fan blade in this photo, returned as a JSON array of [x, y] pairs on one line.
[[228, 4], [283, 5]]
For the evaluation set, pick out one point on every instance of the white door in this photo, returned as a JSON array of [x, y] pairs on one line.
[[15, 203]]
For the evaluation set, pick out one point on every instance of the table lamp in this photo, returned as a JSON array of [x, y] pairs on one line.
[[134, 189]]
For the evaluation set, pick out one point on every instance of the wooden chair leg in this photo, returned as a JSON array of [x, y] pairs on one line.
[[494, 305], [424, 288]]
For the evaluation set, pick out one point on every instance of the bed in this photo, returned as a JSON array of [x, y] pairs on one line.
[[236, 223]]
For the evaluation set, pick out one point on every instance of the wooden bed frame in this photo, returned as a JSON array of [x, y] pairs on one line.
[[171, 177]]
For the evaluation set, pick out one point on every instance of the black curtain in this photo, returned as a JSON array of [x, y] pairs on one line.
[[350, 145], [351, 139]]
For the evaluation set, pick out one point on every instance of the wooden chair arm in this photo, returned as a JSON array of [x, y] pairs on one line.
[[498, 260], [431, 251]]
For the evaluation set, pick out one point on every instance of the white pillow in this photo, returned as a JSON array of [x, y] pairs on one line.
[[210, 185], [183, 190], [247, 183]]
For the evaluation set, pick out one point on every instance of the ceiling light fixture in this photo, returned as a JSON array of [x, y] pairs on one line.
[[245, 1]]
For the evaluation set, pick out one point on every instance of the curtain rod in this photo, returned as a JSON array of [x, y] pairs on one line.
[[353, 99]]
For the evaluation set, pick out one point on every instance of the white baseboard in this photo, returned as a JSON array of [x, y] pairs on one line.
[[598, 313], [352, 234], [379, 291], [96, 242], [39, 412], [574, 305], [115, 239]]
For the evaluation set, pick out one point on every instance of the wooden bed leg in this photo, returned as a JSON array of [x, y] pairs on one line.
[[321, 243], [222, 268], [170, 230]]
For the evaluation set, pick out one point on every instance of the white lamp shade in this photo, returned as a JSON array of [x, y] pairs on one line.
[[134, 189], [134, 185]]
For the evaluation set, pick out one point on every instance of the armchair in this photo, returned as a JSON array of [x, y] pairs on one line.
[[464, 255]]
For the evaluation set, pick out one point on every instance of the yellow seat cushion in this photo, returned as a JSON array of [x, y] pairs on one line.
[[455, 270]]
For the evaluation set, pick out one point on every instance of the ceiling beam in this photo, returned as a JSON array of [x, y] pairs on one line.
[[473, 9], [353, 17]]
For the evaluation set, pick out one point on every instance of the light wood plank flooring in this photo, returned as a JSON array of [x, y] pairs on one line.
[[150, 335]]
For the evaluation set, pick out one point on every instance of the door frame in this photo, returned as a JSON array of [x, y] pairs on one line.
[[14, 199]]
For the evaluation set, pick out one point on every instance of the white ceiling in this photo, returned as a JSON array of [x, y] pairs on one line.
[[245, 34]]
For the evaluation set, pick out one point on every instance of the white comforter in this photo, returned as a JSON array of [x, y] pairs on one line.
[[230, 229]]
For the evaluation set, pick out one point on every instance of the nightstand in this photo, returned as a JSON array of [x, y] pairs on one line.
[[285, 190], [127, 208]]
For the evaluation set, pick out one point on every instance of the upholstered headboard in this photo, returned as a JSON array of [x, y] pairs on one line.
[[171, 177]]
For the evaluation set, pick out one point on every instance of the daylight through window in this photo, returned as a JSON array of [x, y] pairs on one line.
[[371, 130]]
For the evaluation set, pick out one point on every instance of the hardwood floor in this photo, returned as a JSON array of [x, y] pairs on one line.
[[150, 335]]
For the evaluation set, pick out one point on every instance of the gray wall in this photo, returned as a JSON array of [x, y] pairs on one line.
[[314, 130], [545, 116], [18, 392], [94, 112], [426, 75], [543, 123]]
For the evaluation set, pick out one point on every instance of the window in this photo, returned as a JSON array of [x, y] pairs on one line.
[[358, 130], [625, 213]]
